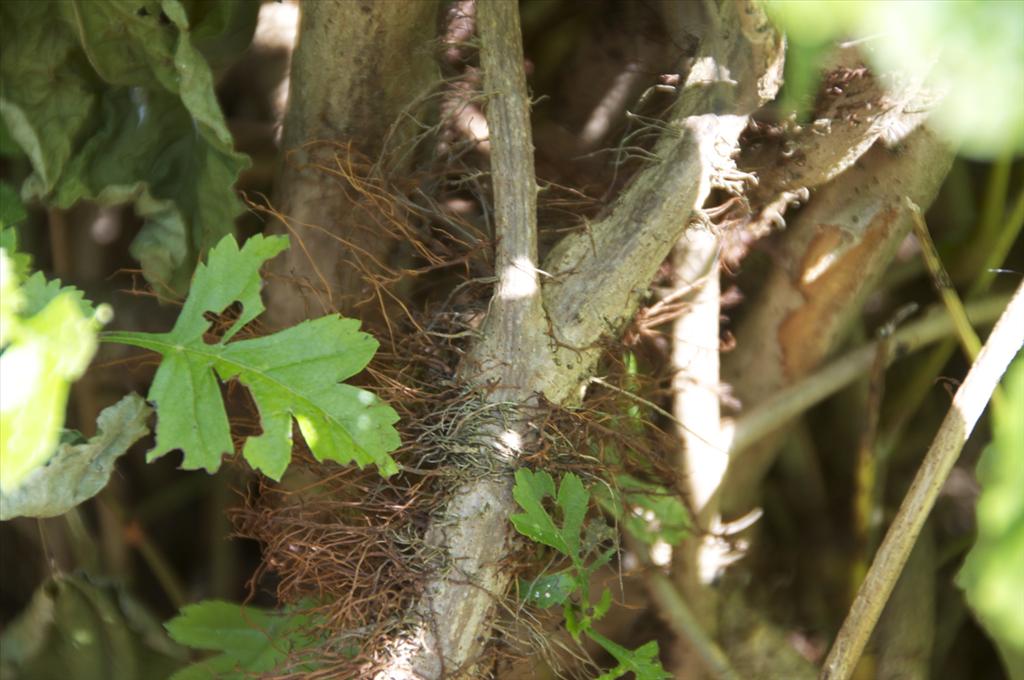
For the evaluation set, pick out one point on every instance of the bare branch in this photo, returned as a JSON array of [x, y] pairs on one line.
[[738, 68], [515, 325]]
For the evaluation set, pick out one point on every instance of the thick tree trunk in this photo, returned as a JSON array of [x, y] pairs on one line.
[[358, 66]]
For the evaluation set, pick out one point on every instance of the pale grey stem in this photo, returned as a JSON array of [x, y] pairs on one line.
[[457, 605], [515, 325], [1003, 343]]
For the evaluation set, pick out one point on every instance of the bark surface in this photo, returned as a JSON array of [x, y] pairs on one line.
[[358, 66]]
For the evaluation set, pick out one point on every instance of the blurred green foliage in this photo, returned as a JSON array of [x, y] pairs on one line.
[[974, 49], [993, 573]]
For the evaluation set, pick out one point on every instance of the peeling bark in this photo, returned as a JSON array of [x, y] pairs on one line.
[[858, 108], [831, 257]]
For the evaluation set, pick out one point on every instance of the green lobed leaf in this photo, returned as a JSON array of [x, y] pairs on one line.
[[250, 640], [48, 337], [78, 472], [112, 102], [573, 500], [643, 662], [649, 512], [530, 490], [295, 373], [993, 573]]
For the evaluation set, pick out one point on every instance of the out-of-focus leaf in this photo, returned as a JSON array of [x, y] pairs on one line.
[[19, 262], [222, 30], [291, 374], [649, 512], [973, 48], [11, 298], [112, 102], [249, 640], [73, 628], [8, 147], [11, 210], [47, 98], [48, 337], [993, 573], [79, 471]]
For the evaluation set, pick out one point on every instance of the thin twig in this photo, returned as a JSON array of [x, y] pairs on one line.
[[908, 395], [970, 400], [943, 284], [969, 340]]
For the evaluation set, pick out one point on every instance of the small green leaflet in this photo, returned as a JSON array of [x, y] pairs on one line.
[[77, 472], [530, 491], [573, 499], [250, 640], [547, 591], [291, 374], [642, 662]]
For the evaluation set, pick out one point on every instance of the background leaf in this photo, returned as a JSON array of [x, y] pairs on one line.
[[250, 640], [643, 662], [78, 472], [112, 102], [949, 42], [75, 628]]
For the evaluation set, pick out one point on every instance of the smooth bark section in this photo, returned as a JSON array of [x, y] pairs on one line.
[[358, 66], [970, 400], [831, 257]]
